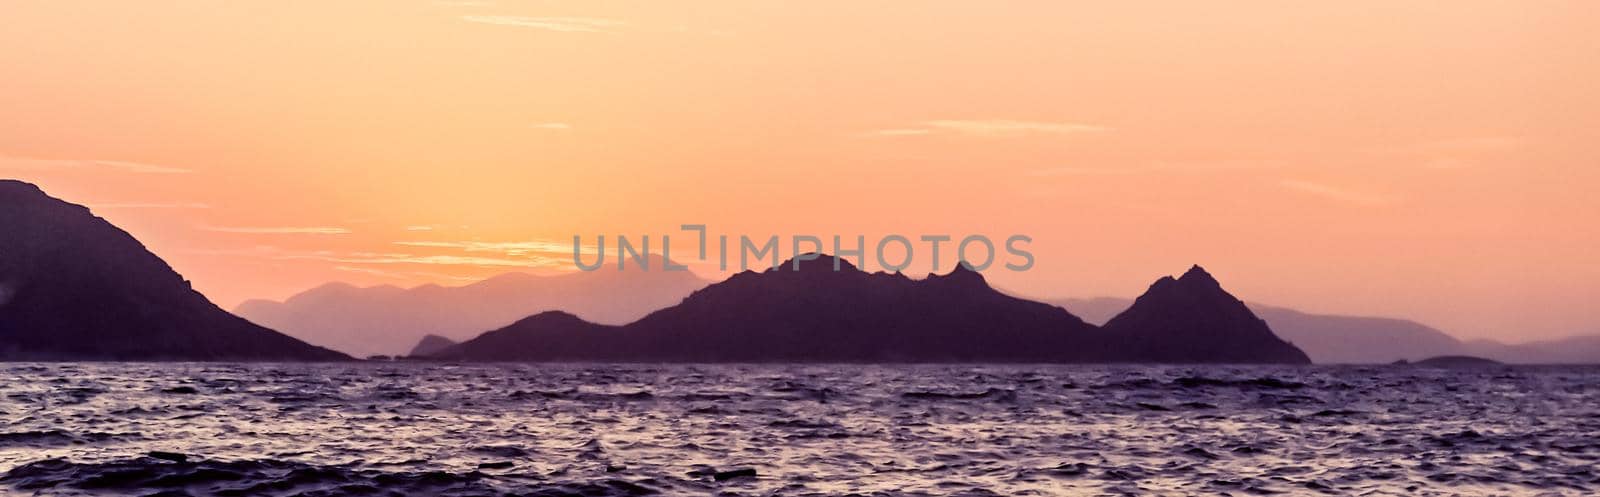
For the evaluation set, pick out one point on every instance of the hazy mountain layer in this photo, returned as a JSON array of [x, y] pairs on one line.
[[390, 320], [1337, 339]]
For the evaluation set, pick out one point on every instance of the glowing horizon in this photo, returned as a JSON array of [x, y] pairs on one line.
[[1429, 163]]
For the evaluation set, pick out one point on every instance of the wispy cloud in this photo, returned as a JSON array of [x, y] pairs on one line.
[[25, 163], [990, 128], [419, 228], [1473, 144], [404, 275], [370, 271], [380, 258], [507, 248], [721, 33], [1004, 127], [1335, 193], [1084, 171], [1209, 165], [280, 230], [899, 132], [558, 24], [139, 167], [1460, 153], [149, 205], [1155, 167], [358, 259], [434, 260]]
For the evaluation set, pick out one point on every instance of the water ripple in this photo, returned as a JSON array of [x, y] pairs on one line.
[[459, 430]]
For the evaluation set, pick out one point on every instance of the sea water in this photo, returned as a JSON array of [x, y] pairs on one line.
[[175, 429]]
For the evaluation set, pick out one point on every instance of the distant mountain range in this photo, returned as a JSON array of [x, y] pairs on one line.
[[389, 320], [74, 287], [1336, 339], [1583, 349], [807, 311]]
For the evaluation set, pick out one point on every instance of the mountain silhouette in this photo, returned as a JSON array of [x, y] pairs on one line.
[[547, 336], [1338, 339], [1331, 339], [1581, 349], [817, 314], [429, 345], [75, 287], [1192, 319], [1455, 361], [809, 315], [1328, 339], [390, 320]]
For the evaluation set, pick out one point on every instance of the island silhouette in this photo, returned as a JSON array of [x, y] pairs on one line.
[[807, 311], [1343, 339], [76, 287]]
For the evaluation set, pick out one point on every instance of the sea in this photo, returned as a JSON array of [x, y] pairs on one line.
[[434, 429]]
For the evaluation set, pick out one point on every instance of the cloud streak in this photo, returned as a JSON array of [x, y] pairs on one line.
[[279, 230], [1468, 152], [899, 132], [24, 163], [507, 248], [403, 275], [359, 259], [1083, 171], [442, 260], [989, 128], [1005, 127], [557, 24], [150, 205], [1335, 193], [367, 258]]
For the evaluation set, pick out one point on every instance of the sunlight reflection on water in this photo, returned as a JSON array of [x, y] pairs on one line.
[[822, 430]]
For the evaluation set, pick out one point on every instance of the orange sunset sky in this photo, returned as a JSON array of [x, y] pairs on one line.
[[1427, 160]]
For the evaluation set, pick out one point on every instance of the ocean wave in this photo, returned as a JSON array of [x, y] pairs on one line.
[[812, 430]]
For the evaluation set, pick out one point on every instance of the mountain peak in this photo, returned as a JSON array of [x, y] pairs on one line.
[[1193, 319], [814, 315], [820, 262], [431, 344], [553, 317], [23, 194], [962, 275], [1198, 275], [12, 186]]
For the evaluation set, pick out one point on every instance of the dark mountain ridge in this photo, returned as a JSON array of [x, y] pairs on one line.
[[817, 314], [1192, 319], [75, 287]]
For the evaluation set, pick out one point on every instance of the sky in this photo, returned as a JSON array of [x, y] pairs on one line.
[[1436, 161]]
